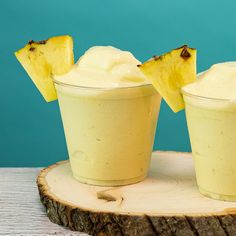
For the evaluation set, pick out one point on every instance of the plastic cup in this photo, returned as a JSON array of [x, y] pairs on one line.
[[212, 130], [109, 132]]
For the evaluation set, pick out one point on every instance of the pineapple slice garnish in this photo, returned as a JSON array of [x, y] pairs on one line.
[[46, 58], [170, 72]]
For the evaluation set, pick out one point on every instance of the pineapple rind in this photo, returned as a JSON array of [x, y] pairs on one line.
[[43, 59], [169, 73]]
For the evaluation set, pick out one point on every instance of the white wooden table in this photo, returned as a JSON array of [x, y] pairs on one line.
[[21, 212]]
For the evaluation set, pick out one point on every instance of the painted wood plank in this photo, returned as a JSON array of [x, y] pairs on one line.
[[21, 212]]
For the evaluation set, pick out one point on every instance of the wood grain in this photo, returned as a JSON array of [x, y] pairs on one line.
[[166, 203], [21, 212]]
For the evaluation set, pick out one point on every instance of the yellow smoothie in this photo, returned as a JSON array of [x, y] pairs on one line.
[[211, 116], [109, 112]]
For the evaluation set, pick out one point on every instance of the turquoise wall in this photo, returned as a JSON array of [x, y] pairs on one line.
[[31, 132]]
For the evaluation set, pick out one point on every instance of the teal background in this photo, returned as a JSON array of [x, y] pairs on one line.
[[31, 132]]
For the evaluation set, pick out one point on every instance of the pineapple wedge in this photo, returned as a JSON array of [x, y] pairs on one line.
[[170, 72], [45, 58]]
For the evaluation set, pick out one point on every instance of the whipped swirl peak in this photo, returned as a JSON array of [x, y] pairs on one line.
[[219, 81], [105, 67]]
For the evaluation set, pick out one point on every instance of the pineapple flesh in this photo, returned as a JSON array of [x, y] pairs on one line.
[[46, 58], [170, 72]]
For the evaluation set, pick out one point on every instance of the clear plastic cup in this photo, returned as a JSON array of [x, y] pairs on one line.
[[109, 132], [212, 130]]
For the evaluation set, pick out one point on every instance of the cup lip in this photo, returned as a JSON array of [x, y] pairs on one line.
[[100, 88], [185, 93]]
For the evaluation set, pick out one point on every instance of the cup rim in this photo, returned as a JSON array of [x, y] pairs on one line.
[[184, 92], [99, 88]]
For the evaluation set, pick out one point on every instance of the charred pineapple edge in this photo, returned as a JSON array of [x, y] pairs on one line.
[[185, 54]]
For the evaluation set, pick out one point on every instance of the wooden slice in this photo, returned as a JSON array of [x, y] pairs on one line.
[[166, 203]]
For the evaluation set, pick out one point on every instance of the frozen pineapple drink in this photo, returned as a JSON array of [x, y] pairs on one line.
[[211, 117], [109, 112]]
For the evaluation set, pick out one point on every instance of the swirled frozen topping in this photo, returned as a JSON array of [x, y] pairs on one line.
[[105, 67], [219, 81]]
